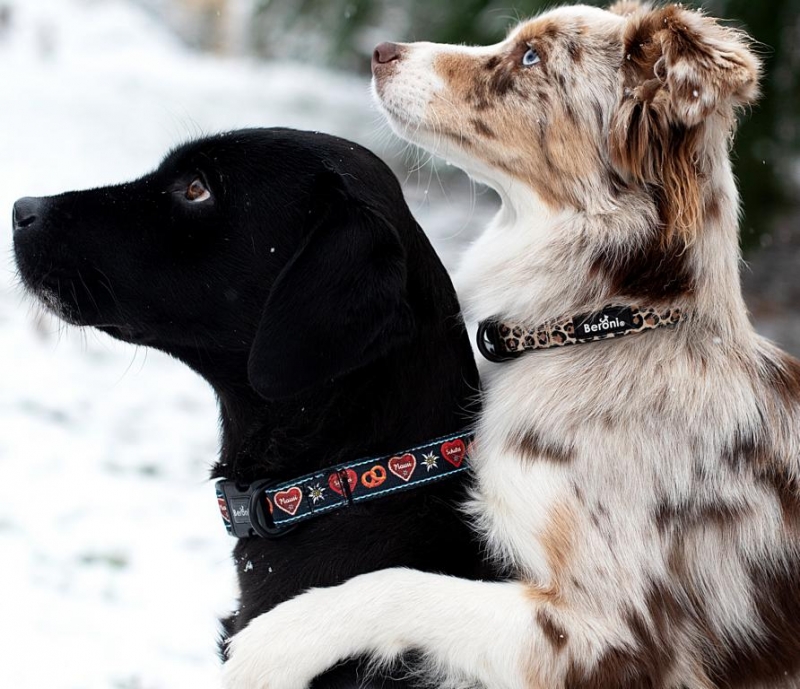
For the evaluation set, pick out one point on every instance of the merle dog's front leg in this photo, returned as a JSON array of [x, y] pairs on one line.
[[470, 631]]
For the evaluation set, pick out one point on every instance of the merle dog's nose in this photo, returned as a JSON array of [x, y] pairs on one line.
[[385, 53], [26, 212]]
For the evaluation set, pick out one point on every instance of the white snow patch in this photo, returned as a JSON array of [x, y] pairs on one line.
[[115, 561]]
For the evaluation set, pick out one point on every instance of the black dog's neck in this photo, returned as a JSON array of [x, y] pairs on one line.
[[246, 419], [344, 420], [264, 439]]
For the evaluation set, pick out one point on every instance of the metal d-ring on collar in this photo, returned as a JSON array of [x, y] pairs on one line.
[[260, 520], [490, 344]]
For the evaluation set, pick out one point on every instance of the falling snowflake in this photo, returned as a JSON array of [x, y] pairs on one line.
[[429, 461], [316, 493]]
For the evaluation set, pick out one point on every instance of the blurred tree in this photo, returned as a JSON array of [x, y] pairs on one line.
[[767, 153], [767, 156], [346, 24], [316, 30]]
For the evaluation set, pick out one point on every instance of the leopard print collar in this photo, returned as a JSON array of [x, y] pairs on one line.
[[504, 340]]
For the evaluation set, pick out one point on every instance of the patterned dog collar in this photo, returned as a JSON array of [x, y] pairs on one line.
[[269, 508], [501, 341]]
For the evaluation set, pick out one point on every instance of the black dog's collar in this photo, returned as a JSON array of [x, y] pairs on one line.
[[501, 341], [268, 508]]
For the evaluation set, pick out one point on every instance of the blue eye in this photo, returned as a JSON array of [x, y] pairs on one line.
[[530, 58]]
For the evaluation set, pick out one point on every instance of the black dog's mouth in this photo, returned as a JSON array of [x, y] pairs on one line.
[[52, 300], [78, 295], [86, 301]]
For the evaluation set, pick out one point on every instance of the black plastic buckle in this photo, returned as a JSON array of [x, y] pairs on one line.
[[247, 512], [490, 344]]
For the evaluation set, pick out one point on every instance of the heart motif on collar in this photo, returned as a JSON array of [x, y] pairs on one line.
[[223, 507], [336, 485], [454, 452], [404, 466], [289, 500]]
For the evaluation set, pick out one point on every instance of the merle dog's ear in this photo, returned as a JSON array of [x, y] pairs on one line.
[[682, 73], [340, 303]]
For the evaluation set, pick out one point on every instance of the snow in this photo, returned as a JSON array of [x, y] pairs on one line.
[[115, 564]]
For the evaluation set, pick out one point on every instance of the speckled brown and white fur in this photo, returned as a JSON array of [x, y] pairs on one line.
[[644, 492]]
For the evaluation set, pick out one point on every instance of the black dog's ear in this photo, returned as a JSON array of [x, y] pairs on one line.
[[339, 304]]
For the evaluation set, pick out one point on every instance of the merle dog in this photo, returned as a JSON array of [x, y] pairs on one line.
[[286, 269]]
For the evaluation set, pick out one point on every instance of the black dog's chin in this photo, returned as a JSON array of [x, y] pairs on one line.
[[55, 300], [50, 299], [128, 333], [74, 315], [48, 287], [71, 315], [65, 294]]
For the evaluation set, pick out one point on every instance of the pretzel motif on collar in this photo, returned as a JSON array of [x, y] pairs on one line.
[[374, 477]]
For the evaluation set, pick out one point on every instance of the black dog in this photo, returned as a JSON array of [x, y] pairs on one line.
[[286, 269]]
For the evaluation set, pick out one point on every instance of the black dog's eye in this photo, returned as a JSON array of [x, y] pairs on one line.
[[530, 58], [197, 191]]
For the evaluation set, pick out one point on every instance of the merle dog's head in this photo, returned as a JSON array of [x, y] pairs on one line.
[[279, 249]]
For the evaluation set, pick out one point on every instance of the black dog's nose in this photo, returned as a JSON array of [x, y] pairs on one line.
[[385, 53], [26, 212]]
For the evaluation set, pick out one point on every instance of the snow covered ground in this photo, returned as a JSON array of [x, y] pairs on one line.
[[114, 565]]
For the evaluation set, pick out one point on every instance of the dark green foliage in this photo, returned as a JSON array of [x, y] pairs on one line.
[[767, 152], [345, 22], [476, 22]]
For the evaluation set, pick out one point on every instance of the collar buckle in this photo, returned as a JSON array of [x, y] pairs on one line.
[[244, 510], [490, 344]]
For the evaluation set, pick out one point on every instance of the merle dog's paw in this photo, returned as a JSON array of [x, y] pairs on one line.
[[274, 651]]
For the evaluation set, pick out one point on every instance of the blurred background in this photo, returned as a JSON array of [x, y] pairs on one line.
[[115, 565]]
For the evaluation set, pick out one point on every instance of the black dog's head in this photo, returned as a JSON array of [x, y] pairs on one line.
[[282, 250]]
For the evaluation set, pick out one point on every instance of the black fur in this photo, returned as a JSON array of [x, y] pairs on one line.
[[306, 294]]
